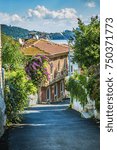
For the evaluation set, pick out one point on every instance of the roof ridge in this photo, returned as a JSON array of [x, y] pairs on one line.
[[51, 42]]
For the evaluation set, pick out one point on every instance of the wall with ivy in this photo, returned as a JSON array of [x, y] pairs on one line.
[[84, 92]]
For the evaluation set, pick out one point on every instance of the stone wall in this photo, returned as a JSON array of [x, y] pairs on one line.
[[33, 100]]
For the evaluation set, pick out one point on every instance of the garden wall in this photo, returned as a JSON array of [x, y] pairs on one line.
[[2, 116], [88, 111], [33, 100]]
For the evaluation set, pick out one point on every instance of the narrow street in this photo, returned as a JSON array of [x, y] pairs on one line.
[[54, 127]]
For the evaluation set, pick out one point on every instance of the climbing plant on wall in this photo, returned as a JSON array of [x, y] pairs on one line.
[[36, 69], [93, 86], [77, 85]]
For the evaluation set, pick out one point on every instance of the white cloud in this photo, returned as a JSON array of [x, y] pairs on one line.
[[91, 4], [6, 18], [43, 12], [15, 18], [43, 19]]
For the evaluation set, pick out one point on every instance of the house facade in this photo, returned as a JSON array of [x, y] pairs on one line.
[[54, 89], [72, 66]]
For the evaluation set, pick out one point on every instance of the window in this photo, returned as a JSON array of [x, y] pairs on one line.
[[58, 65], [55, 89], [71, 69], [65, 63], [48, 93], [61, 86]]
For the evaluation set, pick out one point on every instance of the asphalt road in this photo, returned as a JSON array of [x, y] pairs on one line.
[[54, 127]]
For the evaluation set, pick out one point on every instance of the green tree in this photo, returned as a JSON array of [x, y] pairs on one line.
[[12, 57], [17, 86], [87, 55], [87, 43]]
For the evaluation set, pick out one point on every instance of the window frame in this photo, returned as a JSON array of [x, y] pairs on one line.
[[48, 90]]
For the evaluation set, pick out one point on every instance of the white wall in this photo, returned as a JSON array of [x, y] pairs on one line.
[[2, 115], [74, 65], [88, 111], [33, 100]]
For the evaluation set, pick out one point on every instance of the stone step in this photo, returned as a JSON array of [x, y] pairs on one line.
[[85, 115]]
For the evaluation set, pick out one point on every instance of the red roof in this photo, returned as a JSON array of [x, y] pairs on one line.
[[45, 46], [50, 47]]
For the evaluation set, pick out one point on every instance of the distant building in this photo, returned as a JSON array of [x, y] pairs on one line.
[[37, 35], [73, 66], [33, 35], [53, 90]]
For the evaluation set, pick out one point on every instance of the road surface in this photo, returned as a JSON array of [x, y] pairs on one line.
[[54, 127]]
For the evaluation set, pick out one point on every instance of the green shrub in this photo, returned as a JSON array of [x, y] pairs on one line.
[[76, 85], [94, 85], [12, 58], [17, 90], [80, 86]]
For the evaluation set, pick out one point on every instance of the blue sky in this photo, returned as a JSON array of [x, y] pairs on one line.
[[47, 15]]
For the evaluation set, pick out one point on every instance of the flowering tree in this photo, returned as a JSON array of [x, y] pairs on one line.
[[36, 69]]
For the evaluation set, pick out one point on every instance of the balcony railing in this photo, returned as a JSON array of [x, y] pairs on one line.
[[59, 75], [56, 77]]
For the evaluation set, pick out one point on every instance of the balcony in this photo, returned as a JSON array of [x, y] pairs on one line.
[[56, 76]]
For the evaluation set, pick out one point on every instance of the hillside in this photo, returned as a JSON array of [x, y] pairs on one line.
[[17, 32]]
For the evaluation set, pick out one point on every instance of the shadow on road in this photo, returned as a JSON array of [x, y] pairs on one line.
[[54, 127]]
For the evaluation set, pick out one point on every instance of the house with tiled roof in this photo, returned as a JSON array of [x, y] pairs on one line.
[[54, 89]]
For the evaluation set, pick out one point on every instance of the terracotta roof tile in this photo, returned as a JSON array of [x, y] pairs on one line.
[[31, 51], [43, 47], [50, 47]]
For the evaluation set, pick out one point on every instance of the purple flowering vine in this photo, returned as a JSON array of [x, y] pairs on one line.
[[36, 69]]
